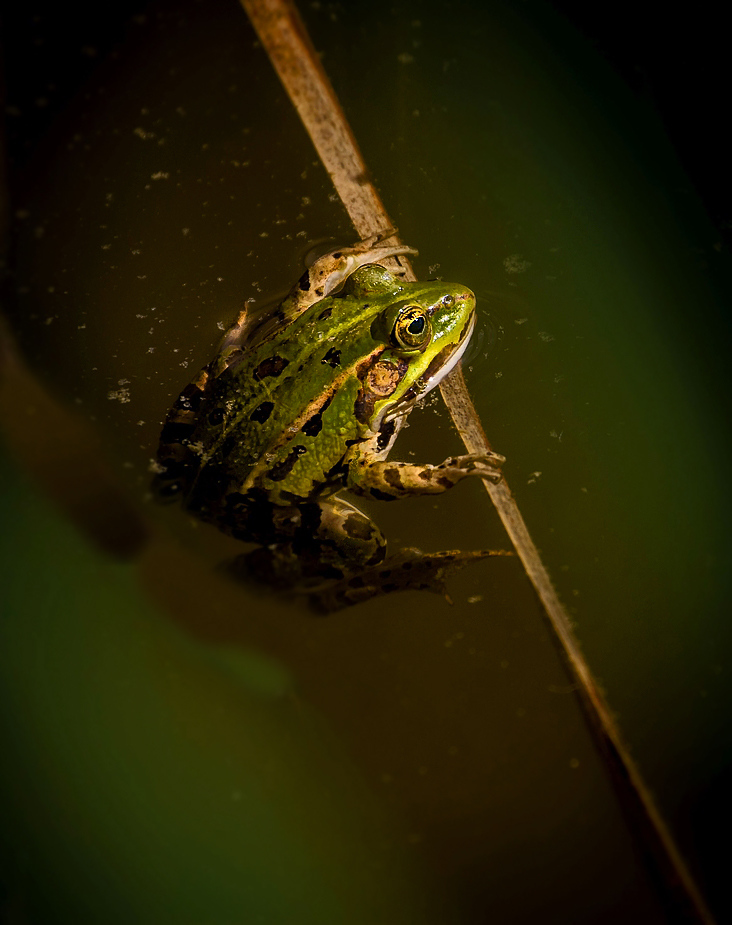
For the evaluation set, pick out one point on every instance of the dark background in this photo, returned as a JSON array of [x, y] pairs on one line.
[[674, 58], [676, 61]]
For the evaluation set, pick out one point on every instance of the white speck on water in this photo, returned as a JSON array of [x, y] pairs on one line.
[[515, 263], [546, 337], [160, 175]]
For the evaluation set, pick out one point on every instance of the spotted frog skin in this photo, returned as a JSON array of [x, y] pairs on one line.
[[309, 401]]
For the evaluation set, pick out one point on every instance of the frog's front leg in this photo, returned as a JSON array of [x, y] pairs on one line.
[[388, 481]]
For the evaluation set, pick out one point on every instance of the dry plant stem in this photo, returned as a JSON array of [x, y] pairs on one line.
[[286, 42]]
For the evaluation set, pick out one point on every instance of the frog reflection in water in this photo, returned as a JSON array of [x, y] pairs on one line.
[[309, 402]]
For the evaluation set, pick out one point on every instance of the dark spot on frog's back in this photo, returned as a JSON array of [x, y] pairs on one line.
[[314, 424], [304, 282], [282, 469], [262, 412], [326, 313], [332, 357], [272, 366]]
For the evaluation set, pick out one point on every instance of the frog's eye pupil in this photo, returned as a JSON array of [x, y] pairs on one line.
[[412, 328]]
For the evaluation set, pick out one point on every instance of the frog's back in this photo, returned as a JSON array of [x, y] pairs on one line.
[[277, 421]]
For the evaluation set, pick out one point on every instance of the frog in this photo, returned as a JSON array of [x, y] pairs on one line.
[[307, 401]]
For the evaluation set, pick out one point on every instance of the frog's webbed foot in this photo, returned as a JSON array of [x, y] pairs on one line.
[[408, 570]]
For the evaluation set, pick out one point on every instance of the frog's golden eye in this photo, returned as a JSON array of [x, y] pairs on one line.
[[412, 329]]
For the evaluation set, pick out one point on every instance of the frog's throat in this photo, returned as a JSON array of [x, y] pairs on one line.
[[404, 406]]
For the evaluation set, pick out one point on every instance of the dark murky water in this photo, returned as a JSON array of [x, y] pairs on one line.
[[428, 754]]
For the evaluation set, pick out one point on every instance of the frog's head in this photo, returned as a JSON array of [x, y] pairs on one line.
[[425, 328]]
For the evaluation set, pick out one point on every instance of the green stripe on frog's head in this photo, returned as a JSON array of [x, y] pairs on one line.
[[425, 336]]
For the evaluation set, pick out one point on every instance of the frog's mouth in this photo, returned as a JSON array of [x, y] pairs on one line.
[[442, 365]]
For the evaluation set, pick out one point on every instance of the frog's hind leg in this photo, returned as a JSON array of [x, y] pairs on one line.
[[310, 544], [331, 270], [335, 556]]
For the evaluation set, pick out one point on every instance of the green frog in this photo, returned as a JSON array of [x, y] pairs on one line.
[[307, 402]]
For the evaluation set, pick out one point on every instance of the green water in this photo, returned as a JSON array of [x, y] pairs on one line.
[[180, 184]]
